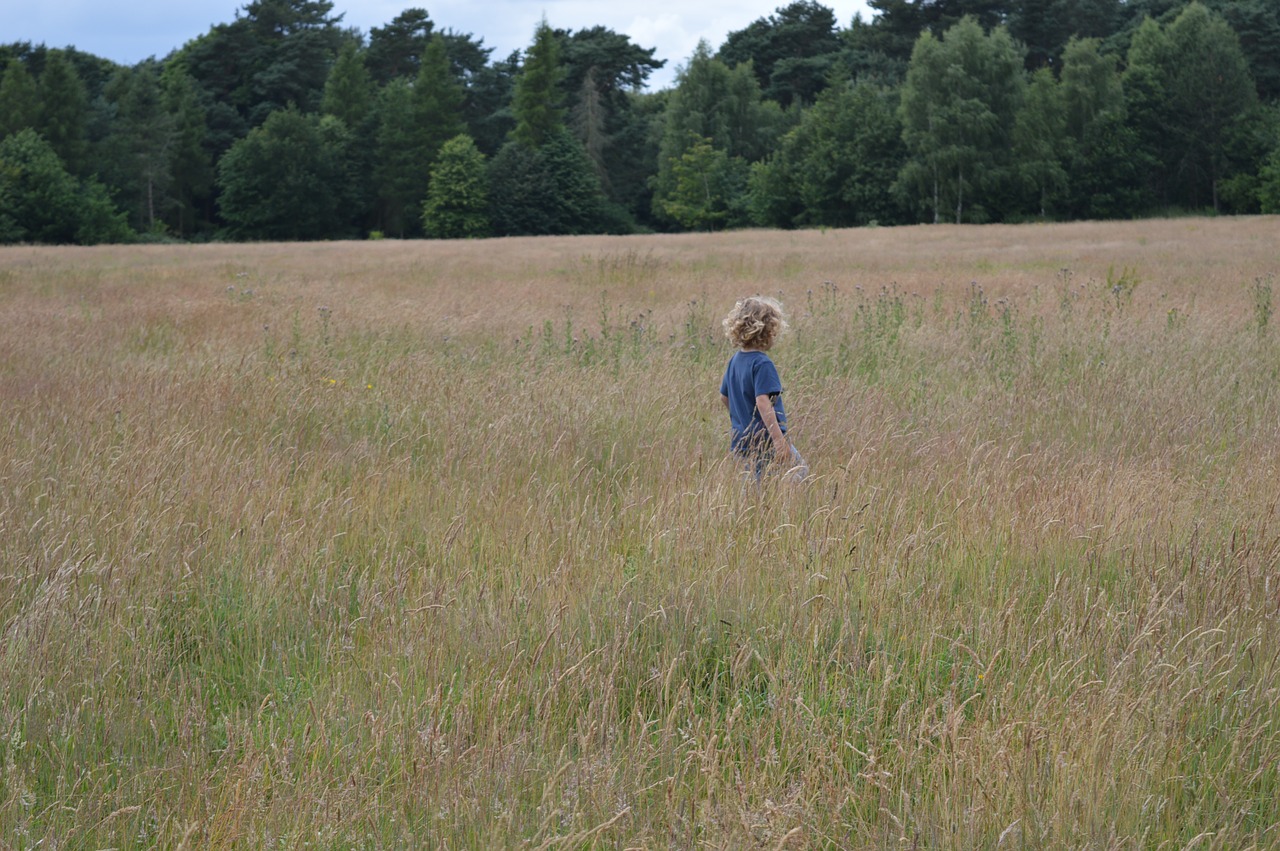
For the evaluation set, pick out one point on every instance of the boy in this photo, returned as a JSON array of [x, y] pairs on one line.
[[752, 391]]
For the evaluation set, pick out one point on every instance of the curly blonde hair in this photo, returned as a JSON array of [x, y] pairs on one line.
[[755, 323]]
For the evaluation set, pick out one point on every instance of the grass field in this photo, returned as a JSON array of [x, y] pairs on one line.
[[375, 545]]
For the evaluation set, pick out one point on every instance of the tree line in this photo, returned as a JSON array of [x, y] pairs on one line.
[[284, 125]]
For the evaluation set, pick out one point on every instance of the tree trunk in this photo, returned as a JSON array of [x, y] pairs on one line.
[[936, 202]]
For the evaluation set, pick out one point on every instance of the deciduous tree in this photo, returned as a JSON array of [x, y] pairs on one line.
[[1039, 138], [457, 205], [40, 201], [714, 102], [288, 179], [958, 106], [1188, 85]]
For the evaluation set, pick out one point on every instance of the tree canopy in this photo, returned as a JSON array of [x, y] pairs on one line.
[[283, 123]]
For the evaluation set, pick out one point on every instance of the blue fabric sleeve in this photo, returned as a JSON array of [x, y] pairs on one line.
[[764, 375]]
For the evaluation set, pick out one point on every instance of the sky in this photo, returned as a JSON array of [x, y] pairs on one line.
[[130, 31]]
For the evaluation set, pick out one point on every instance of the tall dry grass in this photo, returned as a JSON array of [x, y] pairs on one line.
[[435, 544]]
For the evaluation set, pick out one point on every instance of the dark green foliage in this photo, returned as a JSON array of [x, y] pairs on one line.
[[457, 205], [518, 191], [1045, 26], [289, 179], [190, 168], [394, 50], [576, 203], [39, 196], [725, 105], [139, 144], [865, 56], [64, 112], [1109, 171], [351, 96], [276, 53], [1257, 23], [707, 188], [1039, 137], [837, 168], [437, 101], [603, 73], [618, 64], [1090, 86], [958, 107], [295, 42], [348, 91], [548, 190], [537, 103], [488, 105], [1250, 142], [856, 153], [412, 125], [398, 173], [722, 105], [19, 99], [791, 52], [40, 201], [1269, 185], [965, 137], [1188, 86]]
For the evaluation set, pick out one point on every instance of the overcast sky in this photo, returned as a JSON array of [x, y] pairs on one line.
[[130, 31]]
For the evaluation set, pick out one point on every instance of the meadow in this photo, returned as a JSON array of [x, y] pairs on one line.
[[436, 544]]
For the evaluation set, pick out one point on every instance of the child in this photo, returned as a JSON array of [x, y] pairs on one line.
[[752, 391]]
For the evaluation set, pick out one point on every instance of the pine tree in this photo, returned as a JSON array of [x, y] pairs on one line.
[[395, 50], [64, 112], [398, 174], [190, 169], [437, 102], [141, 142], [19, 99], [348, 91], [577, 201], [537, 101]]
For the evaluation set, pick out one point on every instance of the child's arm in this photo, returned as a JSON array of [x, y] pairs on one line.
[[781, 449], [725, 399]]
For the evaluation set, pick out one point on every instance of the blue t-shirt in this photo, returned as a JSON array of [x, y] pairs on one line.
[[748, 375]]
